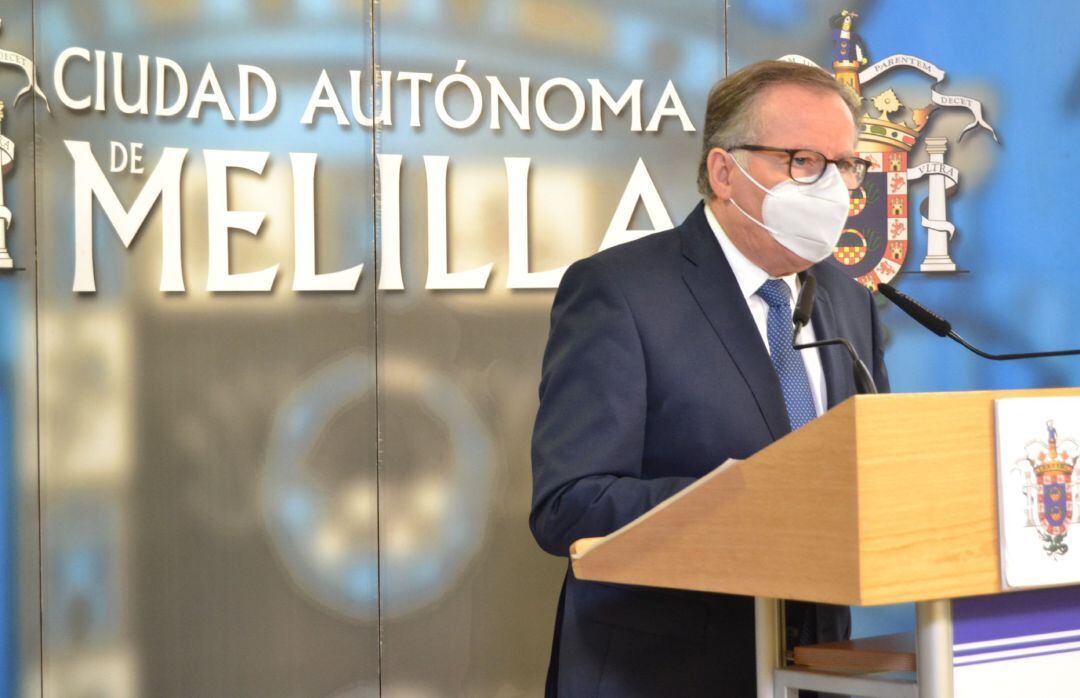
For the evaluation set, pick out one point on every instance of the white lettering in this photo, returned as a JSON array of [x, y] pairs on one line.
[[220, 220], [640, 188], [247, 72], [579, 104], [670, 105], [58, 78], [90, 183], [474, 91], [209, 91], [305, 278], [324, 97], [414, 80], [517, 188], [140, 105], [438, 277], [499, 97], [389, 222], [164, 66], [632, 95]]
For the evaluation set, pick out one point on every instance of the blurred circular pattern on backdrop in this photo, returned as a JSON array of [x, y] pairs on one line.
[[321, 513]]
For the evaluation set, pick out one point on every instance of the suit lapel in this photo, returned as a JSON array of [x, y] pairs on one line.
[[835, 362], [709, 277]]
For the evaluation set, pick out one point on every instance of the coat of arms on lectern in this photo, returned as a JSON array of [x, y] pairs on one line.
[[7, 147], [1038, 493], [1049, 488], [874, 243]]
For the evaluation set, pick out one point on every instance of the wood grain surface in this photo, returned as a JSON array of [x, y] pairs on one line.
[[884, 499]]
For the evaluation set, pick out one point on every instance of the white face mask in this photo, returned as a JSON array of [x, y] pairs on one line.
[[805, 218]]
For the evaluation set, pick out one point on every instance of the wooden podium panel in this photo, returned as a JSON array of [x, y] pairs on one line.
[[884, 499], [865, 655]]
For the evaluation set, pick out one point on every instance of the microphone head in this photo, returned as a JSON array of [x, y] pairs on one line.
[[804, 304], [927, 318]]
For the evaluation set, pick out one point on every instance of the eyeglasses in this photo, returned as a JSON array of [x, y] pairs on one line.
[[807, 166]]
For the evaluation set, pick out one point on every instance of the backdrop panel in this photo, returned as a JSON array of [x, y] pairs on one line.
[[301, 492], [207, 457], [20, 600], [468, 598]]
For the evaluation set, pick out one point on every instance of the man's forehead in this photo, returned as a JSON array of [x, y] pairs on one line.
[[793, 116], [795, 93]]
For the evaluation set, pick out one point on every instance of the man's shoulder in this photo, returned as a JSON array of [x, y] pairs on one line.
[[838, 283], [647, 256]]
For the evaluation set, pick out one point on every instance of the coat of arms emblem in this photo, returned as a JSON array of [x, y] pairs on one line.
[[7, 147], [1049, 489], [874, 244]]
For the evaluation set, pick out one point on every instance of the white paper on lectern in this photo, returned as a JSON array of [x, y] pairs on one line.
[[1038, 443]]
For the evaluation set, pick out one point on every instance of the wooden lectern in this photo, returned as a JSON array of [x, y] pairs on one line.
[[884, 499]]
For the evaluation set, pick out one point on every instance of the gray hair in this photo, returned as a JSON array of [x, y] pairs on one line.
[[731, 111]]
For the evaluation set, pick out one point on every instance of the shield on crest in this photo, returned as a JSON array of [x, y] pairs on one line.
[[874, 243], [1055, 502]]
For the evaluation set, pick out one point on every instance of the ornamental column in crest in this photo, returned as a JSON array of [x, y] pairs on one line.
[[7, 159], [937, 238], [1031, 490]]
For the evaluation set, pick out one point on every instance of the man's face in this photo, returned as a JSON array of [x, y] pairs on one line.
[[789, 116]]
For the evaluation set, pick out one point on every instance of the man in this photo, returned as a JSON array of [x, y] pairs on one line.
[[670, 354]]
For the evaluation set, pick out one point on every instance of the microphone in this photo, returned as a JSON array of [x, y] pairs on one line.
[[941, 327], [800, 318], [804, 304], [925, 317]]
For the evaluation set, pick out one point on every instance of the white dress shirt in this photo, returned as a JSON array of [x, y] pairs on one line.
[[750, 278]]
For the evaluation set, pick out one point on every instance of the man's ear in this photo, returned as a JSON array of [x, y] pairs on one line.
[[721, 170]]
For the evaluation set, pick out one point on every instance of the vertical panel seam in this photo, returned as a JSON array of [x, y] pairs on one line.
[[376, 214], [727, 4], [37, 373]]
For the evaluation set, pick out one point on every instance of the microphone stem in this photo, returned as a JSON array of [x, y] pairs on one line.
[[1009, 357], [864, 382]]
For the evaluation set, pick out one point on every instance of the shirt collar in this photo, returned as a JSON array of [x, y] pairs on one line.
[[749, 276]]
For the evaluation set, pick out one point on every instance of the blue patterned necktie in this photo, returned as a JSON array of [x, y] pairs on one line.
[[789, 366]]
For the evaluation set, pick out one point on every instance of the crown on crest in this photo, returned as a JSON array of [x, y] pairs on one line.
[[1052, 465], [1050, 461], [880, 132]]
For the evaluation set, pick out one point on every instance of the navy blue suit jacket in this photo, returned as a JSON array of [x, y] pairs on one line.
[[653, 375]]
